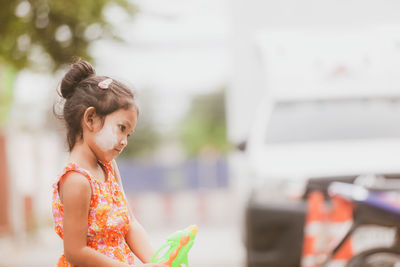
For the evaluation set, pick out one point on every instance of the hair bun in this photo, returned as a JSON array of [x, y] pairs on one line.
[[78, 71]]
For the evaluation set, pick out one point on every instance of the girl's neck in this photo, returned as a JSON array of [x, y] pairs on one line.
[[82, 155]]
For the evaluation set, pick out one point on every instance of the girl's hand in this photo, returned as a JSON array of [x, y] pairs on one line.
[[153, 265]]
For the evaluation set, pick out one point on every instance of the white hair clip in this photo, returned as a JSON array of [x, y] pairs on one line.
[[105, 83]]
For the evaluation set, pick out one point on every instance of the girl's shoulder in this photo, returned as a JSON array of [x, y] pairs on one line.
[[72, 169], [75, 183]]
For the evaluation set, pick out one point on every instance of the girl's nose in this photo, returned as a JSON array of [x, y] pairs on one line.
[[124, 142]]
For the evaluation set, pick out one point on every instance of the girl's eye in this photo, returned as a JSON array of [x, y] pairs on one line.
[[122, 127], [129, 135]]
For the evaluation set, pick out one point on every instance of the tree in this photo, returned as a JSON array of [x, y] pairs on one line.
[[44, 35], [58, 30], [205, 125]]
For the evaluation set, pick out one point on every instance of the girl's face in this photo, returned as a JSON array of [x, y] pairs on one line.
[[109, 141]]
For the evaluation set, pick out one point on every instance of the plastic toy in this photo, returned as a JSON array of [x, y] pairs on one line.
[[179, 244]]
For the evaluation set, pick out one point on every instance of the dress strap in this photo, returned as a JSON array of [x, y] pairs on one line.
[[107, 165], [71, 166], [109, 169]]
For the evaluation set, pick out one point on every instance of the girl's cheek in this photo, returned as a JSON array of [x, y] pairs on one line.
[[107, 138]]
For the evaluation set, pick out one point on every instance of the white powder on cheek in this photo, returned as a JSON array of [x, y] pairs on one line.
[[107, 138]]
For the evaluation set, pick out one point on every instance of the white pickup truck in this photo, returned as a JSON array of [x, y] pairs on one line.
[[333, 137]]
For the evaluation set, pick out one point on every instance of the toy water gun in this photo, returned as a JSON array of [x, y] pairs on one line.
[[179, 244]]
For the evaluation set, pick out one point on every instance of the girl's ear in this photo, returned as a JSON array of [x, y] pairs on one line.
[[89, 118]]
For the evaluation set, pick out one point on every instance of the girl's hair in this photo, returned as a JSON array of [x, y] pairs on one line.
[[80, 90]]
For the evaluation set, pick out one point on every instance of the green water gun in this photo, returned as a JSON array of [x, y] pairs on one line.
[[178, 244]]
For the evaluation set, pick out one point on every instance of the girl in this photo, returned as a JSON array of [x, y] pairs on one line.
[[89, 207]]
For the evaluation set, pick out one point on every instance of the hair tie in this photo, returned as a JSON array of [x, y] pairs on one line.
[[105, 83]]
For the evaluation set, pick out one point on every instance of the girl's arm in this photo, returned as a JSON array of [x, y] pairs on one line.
[[75, 193], [137, 238]]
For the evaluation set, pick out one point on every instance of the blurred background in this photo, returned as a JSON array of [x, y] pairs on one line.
[[235, 97]]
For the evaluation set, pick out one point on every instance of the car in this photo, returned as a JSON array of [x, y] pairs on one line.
[[330, 111]]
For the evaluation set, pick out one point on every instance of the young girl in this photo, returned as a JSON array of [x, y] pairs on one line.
[[89, 207]]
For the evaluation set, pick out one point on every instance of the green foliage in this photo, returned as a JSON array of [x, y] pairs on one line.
[[205, 125], [52, 31], [45, 34], [143, 141], [7, 78]]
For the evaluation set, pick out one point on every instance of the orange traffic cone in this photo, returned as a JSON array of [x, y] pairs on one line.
[[313, 229], [341, 219]]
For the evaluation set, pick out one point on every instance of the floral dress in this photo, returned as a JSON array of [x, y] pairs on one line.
[[108, 218]]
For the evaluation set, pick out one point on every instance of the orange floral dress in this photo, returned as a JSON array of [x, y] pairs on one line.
[[108, 218]]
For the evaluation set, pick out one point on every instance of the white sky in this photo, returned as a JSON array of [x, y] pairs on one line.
[[175, 48]]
